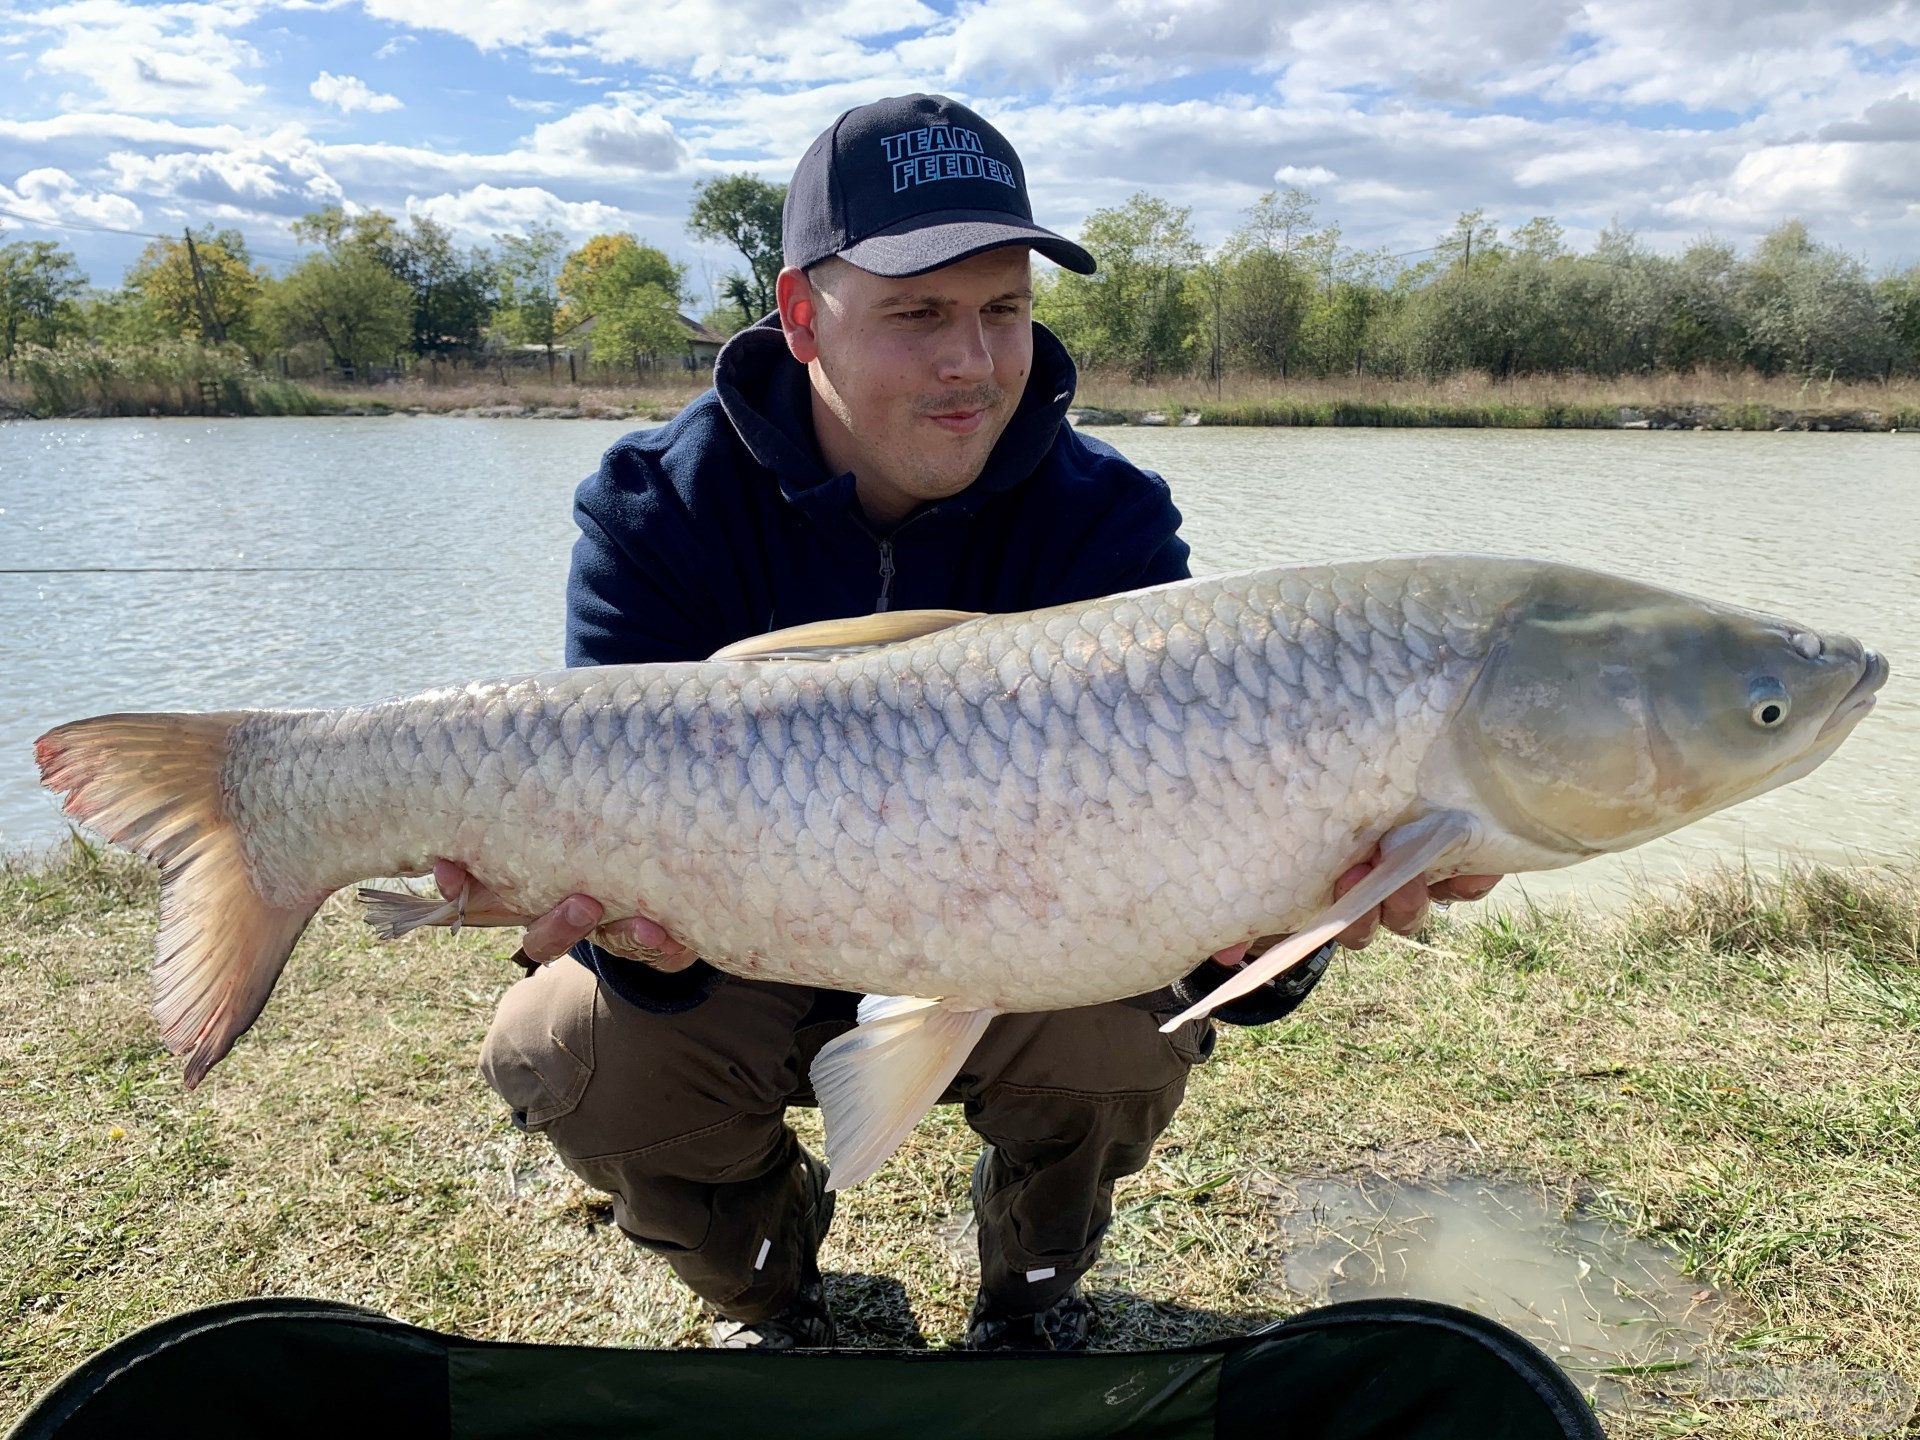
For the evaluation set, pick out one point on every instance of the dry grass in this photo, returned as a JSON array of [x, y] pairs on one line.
[[1732, 1068], [525, 392], [1666, 390]]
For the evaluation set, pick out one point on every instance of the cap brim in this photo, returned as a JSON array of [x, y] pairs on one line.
[[918, 246]]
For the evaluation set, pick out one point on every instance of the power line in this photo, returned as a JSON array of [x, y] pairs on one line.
[[121, 230]]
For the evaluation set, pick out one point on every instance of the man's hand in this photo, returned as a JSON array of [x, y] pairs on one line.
[[1403, 912], [574, 919]]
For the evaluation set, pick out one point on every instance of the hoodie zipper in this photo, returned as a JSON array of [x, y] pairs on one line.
[[886, 576], [887, 567]]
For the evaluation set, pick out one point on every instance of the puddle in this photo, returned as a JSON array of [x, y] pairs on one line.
[[1632, 1329]]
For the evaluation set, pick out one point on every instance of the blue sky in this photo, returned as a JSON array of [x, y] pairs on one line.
[[1676, 120]]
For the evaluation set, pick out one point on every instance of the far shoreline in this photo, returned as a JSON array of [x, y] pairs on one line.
[[1310, 414], [1663, 400]]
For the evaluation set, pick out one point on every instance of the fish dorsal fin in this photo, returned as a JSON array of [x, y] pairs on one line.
[[831, 639]]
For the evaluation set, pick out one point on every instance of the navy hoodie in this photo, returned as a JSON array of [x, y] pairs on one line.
[[726, 523]]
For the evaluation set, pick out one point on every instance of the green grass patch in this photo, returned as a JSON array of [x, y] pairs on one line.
[[165, 378], [1729, 1066]]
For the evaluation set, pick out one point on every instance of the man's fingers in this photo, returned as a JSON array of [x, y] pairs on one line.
[[1359, 934], [561, 928], [483, 907], [1405, 910], [1465, 887], [1233, 955], [642, 939]]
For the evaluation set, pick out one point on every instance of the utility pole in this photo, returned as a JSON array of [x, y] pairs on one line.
[[1216, 334], [1467, 262], [209, 322]]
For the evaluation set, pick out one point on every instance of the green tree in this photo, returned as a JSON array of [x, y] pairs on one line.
[[1807, 309], [452, 292], [1139, 311], [1265, 287], [1900, 301], [631, 292], [744, 211], [1472, 239], [40, 285], [347, 301], [222, 300], [528, 271]]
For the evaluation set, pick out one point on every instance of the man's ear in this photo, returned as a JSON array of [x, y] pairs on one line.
[[799, 310]]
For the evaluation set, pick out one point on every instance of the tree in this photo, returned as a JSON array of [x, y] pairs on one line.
[[452, 293], [1138, 311], [632, 294], [744, 211], [39, 286], [528, 270], [1265, 289], [221, 298], [347, 301], [1900, 300], [1810, 310]]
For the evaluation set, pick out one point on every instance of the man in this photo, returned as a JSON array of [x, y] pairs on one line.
[[893, 438]]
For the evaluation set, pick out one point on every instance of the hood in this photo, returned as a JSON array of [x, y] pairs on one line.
[[766, 396]]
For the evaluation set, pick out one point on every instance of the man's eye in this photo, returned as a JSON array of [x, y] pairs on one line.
[[911, 314]]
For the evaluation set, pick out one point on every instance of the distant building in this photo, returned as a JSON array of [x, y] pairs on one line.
[[703, 345]]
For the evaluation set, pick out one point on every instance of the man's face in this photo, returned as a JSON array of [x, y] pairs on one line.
[[914, 380]]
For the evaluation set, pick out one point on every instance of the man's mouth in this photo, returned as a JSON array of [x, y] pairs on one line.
[[959, 422]]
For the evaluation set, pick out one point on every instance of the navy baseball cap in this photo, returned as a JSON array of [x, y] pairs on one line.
[[909, 184]]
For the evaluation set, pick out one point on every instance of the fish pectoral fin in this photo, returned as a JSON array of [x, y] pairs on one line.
[[876, 1081], [1406, 853], [832, 639]]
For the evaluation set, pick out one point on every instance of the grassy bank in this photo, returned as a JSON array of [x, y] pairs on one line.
[[1732, 1069], [187, 381], [1710, 400]]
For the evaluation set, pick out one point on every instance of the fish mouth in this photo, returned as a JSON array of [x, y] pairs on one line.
[[1859, 700]]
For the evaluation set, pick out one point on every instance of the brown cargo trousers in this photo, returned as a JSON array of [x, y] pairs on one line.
[[681, 1118]]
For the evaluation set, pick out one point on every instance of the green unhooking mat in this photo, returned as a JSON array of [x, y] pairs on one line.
[[289, 1369]]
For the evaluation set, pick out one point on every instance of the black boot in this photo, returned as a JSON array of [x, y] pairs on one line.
[[804, 1322], [1063, 1325], [1060, 1325]]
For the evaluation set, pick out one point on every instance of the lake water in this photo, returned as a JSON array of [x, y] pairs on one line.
[[206, 564]]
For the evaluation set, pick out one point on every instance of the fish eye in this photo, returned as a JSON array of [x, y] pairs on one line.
[[1768, 702]]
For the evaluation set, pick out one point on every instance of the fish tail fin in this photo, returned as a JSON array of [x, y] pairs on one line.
[[152, 785], [876, 1081]]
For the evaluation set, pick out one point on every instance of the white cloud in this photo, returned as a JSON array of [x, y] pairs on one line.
[[349, 93], [393, 47], [487, 210], [536, 107], [278, 175], [174, 59], [53, 196], [615, 136], [802, 41], [1868, 184], [1304, 175]]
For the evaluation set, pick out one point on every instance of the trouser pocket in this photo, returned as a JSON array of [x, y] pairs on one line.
[[538, 1054]]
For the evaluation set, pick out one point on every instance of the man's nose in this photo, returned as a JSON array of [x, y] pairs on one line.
[[965, 358]]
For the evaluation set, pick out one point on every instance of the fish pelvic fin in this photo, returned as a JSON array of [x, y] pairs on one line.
[[876, 1081], [393, 913], [1406, 852], [152, 784]]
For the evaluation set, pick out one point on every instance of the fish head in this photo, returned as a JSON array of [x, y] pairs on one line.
[[1609, 712]]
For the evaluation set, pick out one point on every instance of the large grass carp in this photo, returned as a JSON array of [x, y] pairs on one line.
[[965, 815]]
